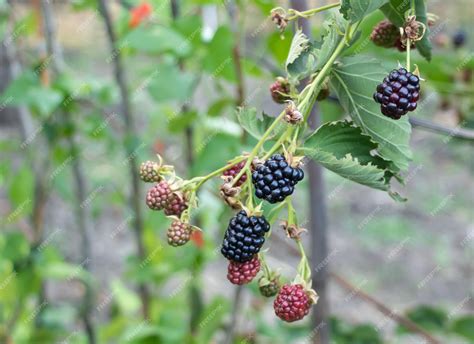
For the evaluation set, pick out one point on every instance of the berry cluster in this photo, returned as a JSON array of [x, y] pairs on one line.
[[398, 93], [244, 237], [275, 179]]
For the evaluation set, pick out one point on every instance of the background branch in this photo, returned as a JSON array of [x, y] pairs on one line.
[[130, 136], [82, 215]]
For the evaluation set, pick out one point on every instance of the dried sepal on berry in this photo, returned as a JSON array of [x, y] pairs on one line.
[[280, 90], [292, 114], [230, 193], [279, 17], [292, 231]]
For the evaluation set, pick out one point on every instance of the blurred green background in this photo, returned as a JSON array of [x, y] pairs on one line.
[[70, 253]]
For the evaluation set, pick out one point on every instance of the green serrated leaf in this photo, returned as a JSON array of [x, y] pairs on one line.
[[300, 58], [395, 11], [354, 81], [256, 125], [355, 10], [345, 150], [334, 26]]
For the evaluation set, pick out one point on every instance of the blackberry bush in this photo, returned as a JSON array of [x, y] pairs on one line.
[[244, 237], [276, 179], [353, 148], [398, 93]]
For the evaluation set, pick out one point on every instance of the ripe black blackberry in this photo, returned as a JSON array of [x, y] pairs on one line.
[[276, 179], [244, 237], [398, 93]]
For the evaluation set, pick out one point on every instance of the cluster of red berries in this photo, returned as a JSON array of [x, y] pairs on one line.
[[162, 197]]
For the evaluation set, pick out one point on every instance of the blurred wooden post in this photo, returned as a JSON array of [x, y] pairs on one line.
[[317, 222]]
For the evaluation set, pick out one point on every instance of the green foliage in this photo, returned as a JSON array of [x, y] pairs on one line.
[[355, 10], [464, 326], [257, 125], [354, 82], [395, 11], [343, 149]]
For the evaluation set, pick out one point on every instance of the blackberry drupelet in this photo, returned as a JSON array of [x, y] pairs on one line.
[[244, 237], [276, 179], [398, 93]]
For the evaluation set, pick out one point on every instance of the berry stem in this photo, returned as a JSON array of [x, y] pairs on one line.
[[309, 13], [291, 212], [408, 54], [303, 268], [257, 147], [266, 269], [307, 102], [280, 141]]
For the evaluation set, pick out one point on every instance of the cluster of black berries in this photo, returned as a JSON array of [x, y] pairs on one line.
[[398, 93], [244, 237], [275, 179]]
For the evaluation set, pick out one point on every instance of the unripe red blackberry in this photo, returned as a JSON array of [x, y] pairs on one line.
[[149, 172], [398, 93], [176, 205], [292, 303], [276, 179], [234, 170], [244, 237], [270, 288], [243, 273], [280, 90], [385, 34], [179, 233], [158, 196]]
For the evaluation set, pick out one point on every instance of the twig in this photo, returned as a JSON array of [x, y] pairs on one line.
[[404, 321], [400, 319], [82, 215], [39, 165], [456, 132], [195, 295], [233, 14], [130, 133]]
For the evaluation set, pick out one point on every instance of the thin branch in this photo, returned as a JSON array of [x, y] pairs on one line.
[[233, 14], [457, 132], [130, 133], [82, 215], [400, 319], [39, 164]]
